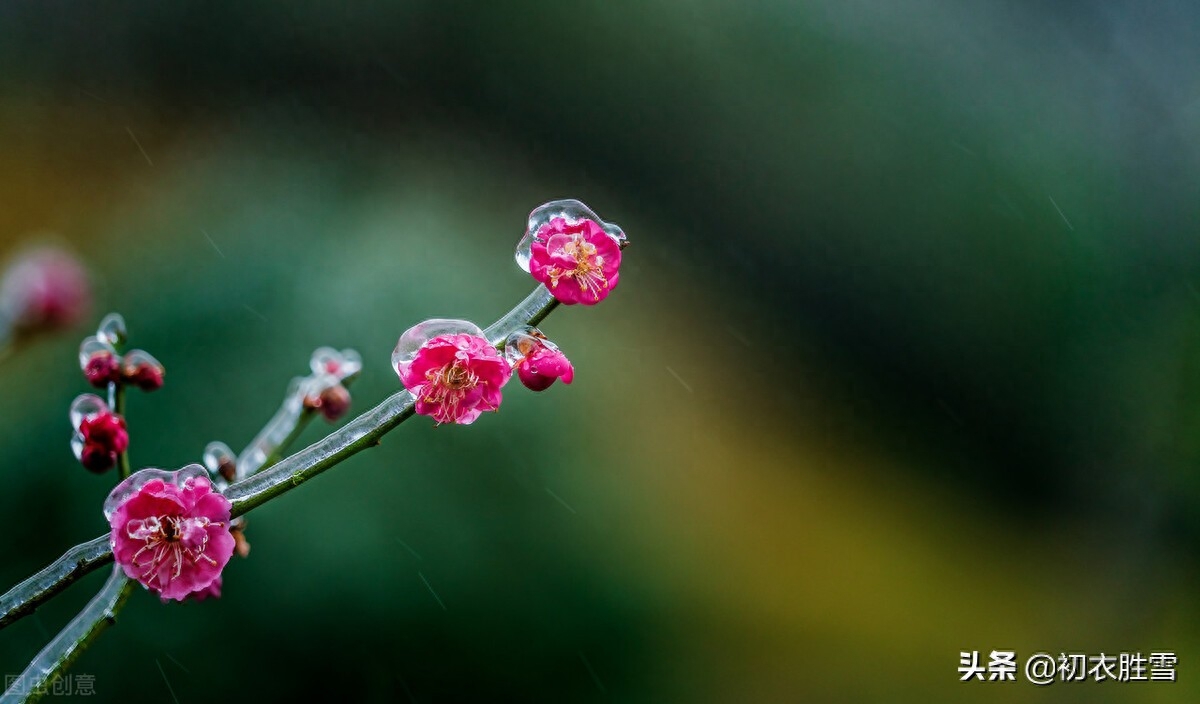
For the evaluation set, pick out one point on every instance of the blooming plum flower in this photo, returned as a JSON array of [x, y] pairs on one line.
[[100, 435], [452, 370], [572, 251], [538, 361], [171, 531]]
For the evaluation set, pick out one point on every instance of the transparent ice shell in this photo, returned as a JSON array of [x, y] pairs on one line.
[[127, 488], [523, 343], [569, 209], [341, 365], [415, 338], [77, 443], [219, 460], [136, 359], [86, 406], [92, 346], [112, 330]]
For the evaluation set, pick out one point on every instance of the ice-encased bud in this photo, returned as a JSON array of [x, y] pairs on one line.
[[112, 330], [220, 462], [142, 370], [85, 406], [342, 365], [99, 361], [523, 343], [538, 361], [568, 209]]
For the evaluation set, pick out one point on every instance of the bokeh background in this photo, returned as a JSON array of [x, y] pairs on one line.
[[905, 359]]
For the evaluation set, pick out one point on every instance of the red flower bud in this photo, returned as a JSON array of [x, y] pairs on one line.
[[101, 368]]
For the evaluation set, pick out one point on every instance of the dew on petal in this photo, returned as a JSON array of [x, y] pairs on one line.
[[415, 338], [84, 406], [112, 330], [568, 209]]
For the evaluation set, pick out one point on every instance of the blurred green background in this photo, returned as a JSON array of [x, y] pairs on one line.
[[905, 359]]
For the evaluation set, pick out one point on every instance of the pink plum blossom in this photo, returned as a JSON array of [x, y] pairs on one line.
[[540, 369], [170, 531], [454, 377], [578, 261]]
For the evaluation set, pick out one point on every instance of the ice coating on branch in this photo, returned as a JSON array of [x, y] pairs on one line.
[[572, 251], [538, 361], [323, 390], [170, 530], [451, 369]]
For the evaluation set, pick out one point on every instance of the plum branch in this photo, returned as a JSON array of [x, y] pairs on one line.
[[359, 434]]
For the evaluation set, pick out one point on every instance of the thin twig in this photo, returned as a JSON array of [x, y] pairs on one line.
[[116, 398]]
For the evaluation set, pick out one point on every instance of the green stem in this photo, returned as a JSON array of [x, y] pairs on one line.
[[357, 435], [116, 399]]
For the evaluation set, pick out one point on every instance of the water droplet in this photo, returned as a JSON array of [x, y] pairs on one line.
[[127, 488], [85, 406], [415, 338], [570, 210], [112, 330]]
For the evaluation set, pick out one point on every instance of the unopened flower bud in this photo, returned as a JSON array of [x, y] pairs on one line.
[[334, 401], [142, 370], [102, 368]]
